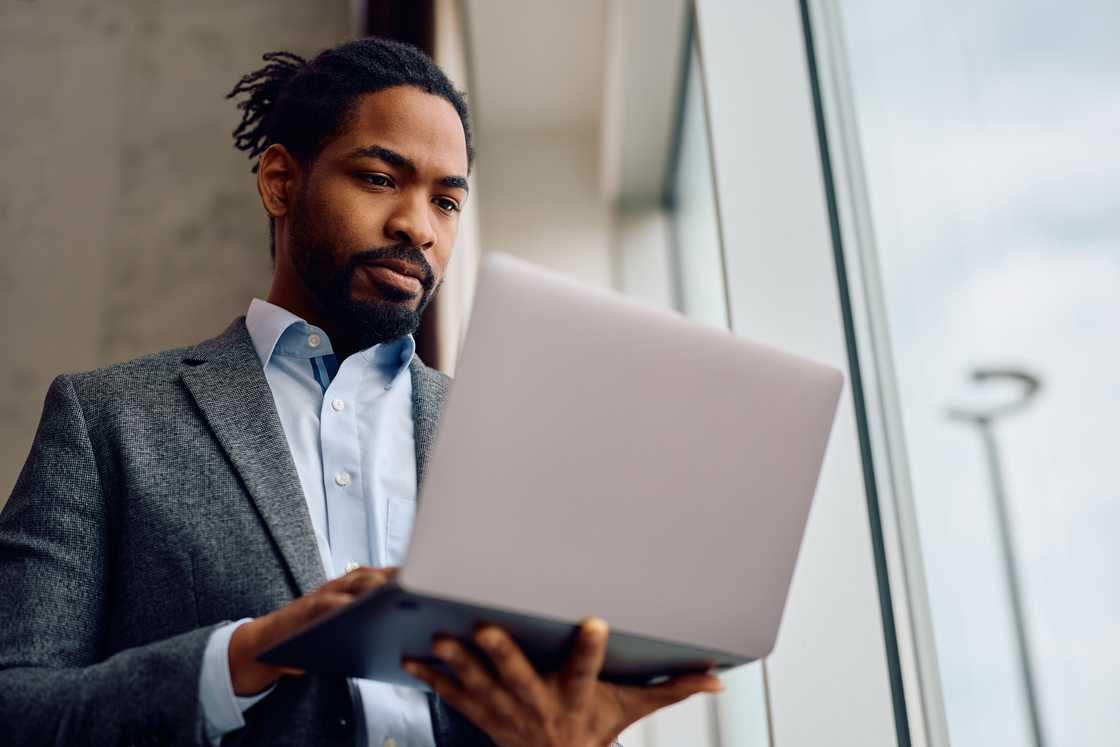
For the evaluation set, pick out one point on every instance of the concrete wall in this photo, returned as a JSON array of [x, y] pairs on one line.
[[128, 223]]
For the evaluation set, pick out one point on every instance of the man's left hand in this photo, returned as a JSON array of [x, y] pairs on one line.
[[517, 707]]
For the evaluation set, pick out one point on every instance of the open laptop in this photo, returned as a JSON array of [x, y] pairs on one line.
[[597, 457]]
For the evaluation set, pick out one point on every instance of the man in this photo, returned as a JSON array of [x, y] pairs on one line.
[[180, 513]]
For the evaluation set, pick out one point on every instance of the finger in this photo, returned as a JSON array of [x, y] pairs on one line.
[[291, 671], [362, 581], [317, 605], [266, 631], [363, 575], [473, 676], [293, 617], [516, 672], [475, 680], [446, 687], [641, 701], [381, 575], [585, 661], [683, 686]]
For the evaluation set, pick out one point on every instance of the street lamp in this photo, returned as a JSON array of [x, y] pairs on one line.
[[984, 419]]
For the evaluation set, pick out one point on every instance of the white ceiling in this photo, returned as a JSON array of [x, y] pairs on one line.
[[539, 65]]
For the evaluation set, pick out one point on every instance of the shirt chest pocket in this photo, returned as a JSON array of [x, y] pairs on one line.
[[398, 529]]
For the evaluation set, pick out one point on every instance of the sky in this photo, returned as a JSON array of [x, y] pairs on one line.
[[988, 131]]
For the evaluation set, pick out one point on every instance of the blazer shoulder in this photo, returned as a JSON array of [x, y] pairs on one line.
[[142, 378], [141, 366]]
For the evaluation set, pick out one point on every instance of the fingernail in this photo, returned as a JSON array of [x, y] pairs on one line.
[[488, 639], [595, 625], [410, 667]]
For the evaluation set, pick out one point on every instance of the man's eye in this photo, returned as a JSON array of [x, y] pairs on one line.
[[377, 180], [446, 205]]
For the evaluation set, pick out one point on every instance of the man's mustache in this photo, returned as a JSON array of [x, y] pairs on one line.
[[403, 252]]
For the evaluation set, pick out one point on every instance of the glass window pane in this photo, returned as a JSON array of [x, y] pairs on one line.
[[988, 134], [693, 205]]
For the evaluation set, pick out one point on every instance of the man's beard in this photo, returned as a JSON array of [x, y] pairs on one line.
[[363, 322]]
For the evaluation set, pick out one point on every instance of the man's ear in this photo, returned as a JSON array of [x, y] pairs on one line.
[[277, 172]]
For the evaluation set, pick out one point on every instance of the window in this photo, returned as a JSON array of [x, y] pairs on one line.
[[740, 714], [699, 259], [976, 172]]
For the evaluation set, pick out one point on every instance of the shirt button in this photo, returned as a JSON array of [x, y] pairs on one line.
[[314, 340], [389, 742], [342, 478], [351, 567], [338, 405]]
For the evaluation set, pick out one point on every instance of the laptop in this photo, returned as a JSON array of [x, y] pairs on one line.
[[598, 457]]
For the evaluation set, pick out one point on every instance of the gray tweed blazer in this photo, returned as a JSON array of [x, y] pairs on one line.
[[159, 500]]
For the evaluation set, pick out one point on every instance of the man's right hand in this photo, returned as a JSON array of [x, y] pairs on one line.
[[250, 676]]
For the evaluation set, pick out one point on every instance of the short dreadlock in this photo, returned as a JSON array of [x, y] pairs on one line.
[[302, 105]]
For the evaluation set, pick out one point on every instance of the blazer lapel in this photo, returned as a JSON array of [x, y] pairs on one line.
[[429, 391], [225, 377]]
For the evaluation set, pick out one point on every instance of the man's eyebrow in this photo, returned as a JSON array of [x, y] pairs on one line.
[[387, 155], [456, 182], [401, 161]]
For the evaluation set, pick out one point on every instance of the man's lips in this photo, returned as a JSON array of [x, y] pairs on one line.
[[397, 273], [401, 267]]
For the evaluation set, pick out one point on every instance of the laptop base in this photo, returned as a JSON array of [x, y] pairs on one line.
[[369, 637]]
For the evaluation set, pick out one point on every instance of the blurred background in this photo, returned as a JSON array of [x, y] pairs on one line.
[[921, 193]]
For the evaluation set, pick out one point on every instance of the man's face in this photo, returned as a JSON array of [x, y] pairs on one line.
[[376, 216]]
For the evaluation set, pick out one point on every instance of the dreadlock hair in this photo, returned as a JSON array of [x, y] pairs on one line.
[[302, 105]]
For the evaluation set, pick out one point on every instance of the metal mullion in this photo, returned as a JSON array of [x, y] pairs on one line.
[[906, 575]]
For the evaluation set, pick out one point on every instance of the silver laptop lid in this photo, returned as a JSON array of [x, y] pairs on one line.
[[599, 457]]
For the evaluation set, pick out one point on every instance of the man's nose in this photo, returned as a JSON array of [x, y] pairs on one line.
[[411, 223]]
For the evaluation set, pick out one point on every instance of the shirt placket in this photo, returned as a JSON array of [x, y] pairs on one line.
[[343, 479]]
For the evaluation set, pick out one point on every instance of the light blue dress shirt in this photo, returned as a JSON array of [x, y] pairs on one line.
[[350, 431]]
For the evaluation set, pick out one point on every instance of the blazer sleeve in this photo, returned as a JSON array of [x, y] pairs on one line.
[[56, 685]]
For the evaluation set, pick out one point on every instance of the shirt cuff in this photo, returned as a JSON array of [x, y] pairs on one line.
[[222, 709]]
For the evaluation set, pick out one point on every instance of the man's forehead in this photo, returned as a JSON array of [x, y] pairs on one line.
[[421, 127]]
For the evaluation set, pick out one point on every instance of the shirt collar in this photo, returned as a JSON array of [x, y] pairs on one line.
[[266, 322], [273, 329]]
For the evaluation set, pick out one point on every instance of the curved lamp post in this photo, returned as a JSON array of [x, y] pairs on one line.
[[984, 419]]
